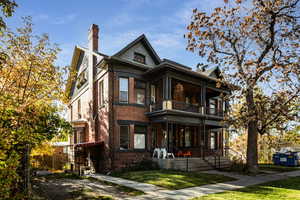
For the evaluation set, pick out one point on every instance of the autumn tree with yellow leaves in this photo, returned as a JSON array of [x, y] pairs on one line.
[[30, 88], [256, 43]]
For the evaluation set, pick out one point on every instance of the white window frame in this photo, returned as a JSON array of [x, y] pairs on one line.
[[101, 93], [120, 85]]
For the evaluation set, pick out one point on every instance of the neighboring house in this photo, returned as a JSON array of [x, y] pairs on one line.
[[125, 105]]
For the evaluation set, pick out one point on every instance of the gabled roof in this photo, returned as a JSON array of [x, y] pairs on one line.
[[147, 45], [212, 70]]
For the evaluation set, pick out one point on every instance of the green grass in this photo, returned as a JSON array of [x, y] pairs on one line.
[[288, 189], [127, 190], [277, 168], [173, 180]]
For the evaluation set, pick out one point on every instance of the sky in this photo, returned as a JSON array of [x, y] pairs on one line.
[[120, 22]]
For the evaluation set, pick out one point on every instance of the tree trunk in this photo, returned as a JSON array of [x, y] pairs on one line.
[[27, 185], [252, 155]]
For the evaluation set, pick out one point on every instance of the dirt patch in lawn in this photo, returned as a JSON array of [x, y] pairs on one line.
[[72, 187]]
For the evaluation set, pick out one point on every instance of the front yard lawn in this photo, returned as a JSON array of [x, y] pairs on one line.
[[288, 189], [277, 168], [173, 180]]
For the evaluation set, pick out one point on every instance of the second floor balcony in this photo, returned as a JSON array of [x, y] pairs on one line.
[[170, 93], [187, 107]]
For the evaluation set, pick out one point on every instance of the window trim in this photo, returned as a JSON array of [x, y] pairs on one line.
[[127, 78]]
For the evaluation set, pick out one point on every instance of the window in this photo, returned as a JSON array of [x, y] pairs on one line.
[[140, 137], [79, 108], [82, 78], [153, 92], [213, 140], [79, 136], [124, 137], [139, 58], [71, 113], [123, 95], [212, 106], [187, 137], [140, 89], [101, 93]]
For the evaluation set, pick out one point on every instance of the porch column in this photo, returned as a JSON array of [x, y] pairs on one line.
[[204, 138], [167, 134], [203, 99], [167, 89], [170, 147]]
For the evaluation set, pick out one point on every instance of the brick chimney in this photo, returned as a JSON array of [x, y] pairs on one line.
[[93, 37]]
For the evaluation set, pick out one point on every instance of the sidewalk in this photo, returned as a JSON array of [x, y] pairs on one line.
[[155, 192]]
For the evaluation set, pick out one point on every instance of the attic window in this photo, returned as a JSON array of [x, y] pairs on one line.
[[82, 78], [139, 58]]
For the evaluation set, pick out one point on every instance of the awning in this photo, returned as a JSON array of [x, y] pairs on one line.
[[88, 144]]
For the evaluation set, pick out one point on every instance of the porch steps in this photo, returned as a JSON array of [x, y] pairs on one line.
[[224, 162], [191, 164]]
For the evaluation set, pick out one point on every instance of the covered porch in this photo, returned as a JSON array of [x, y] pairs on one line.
[[185, 139]]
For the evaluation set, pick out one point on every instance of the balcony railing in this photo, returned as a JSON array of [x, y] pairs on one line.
[[187, 107]]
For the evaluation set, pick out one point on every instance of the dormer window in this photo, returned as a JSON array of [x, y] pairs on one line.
[[139, 58]]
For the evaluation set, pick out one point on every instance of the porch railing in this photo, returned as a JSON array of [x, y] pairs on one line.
[[178, 105], [187, 107], [214, 111]]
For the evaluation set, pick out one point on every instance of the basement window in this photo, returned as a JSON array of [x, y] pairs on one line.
[[139, 58]]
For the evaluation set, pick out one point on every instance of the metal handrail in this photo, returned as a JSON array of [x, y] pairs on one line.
[[217, 158], [242, 157]]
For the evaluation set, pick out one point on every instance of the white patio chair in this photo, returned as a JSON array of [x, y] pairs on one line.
[[163, 151], [156, 152]]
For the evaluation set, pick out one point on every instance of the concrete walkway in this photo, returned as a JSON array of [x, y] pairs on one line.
[[154, 192]]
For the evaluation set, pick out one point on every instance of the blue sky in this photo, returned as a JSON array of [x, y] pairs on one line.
[[121, 21]]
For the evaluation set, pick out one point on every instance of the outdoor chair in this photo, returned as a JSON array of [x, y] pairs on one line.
[[156, 152]]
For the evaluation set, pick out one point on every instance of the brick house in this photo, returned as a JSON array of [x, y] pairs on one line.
[[125, 105]]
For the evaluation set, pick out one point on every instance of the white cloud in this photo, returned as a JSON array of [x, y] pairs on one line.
[[166, 40], [64, 20]]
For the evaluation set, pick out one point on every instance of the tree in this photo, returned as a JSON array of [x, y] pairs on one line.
[[256, 43], [30, 88], [8, 8]]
